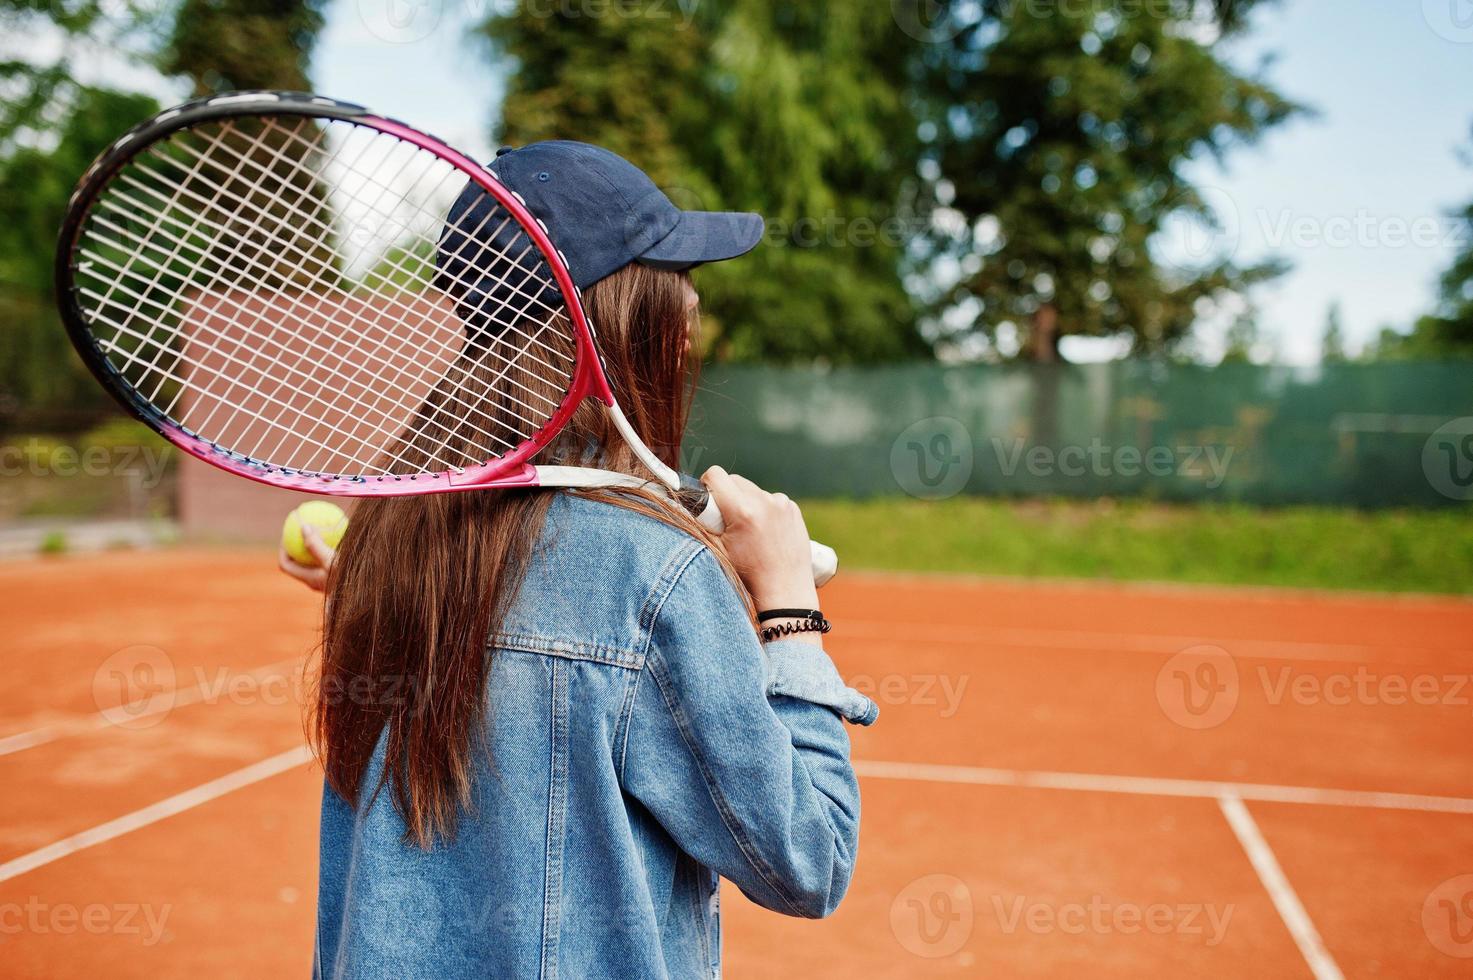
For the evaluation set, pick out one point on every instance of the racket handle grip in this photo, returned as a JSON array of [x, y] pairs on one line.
[[825, 562], [699, 501]]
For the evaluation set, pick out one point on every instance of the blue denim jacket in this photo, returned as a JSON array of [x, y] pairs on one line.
[[641, 742]]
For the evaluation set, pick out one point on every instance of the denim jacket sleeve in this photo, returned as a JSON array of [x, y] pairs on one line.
[[740, 751]]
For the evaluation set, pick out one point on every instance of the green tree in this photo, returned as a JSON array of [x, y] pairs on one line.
[[1431, 338], [37, 365], [1447, 331], [1059, 143], [52, 127], [1451, 326], [1242, 338], [243, 44], [38, 96], [1332, 345], [796, 111]]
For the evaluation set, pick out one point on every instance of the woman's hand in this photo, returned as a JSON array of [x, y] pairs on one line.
[[766, 540], [312, 576]]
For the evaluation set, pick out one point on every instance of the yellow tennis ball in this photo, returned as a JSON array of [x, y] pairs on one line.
[[328, 519]]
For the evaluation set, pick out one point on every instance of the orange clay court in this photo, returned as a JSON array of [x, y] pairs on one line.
[[1066, 779]]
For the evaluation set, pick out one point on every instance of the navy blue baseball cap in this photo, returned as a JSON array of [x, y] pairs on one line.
[[601, 211]]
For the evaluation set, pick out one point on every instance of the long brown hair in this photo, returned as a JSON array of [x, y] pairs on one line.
[[420, 584]]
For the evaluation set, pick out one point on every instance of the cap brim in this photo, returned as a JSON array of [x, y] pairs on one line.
[[705, 236]]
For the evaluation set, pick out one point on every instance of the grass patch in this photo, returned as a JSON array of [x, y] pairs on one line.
[[1311, 547]]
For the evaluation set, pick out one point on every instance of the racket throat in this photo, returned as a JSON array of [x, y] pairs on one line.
[[645, 455], [687, 490]]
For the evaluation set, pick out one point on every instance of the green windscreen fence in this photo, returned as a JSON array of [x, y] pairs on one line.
[[1372, 435]]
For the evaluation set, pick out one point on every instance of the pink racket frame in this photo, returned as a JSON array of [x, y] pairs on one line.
[[512, 470]]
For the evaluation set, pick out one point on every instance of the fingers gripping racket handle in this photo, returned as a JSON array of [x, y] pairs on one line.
[[700, 502]]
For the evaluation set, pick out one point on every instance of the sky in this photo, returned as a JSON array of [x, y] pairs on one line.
[[416, 60], [1356, 196]]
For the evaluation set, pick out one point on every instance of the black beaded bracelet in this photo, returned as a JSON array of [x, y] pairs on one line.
[[808, 621]]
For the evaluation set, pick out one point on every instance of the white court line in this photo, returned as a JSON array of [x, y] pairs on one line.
[[1057, 639], [921, 772], [154, 812], [30, 739], [156, 704], [1291, 910], [1154, 786], [1146, 588]]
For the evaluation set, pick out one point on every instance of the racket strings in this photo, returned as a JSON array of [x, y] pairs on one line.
[[398, 267], [420, 351], [224, 278], [529, 408], [536, 269], [257, 332], [440, 426], [153, 365], [527, 260], [189, 382], [401, 406], [185, 382], [220, 260]]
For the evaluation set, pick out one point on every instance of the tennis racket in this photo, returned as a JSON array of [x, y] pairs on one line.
[[259, 277]]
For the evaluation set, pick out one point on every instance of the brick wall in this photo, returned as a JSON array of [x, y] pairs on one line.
[[217, 506]]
